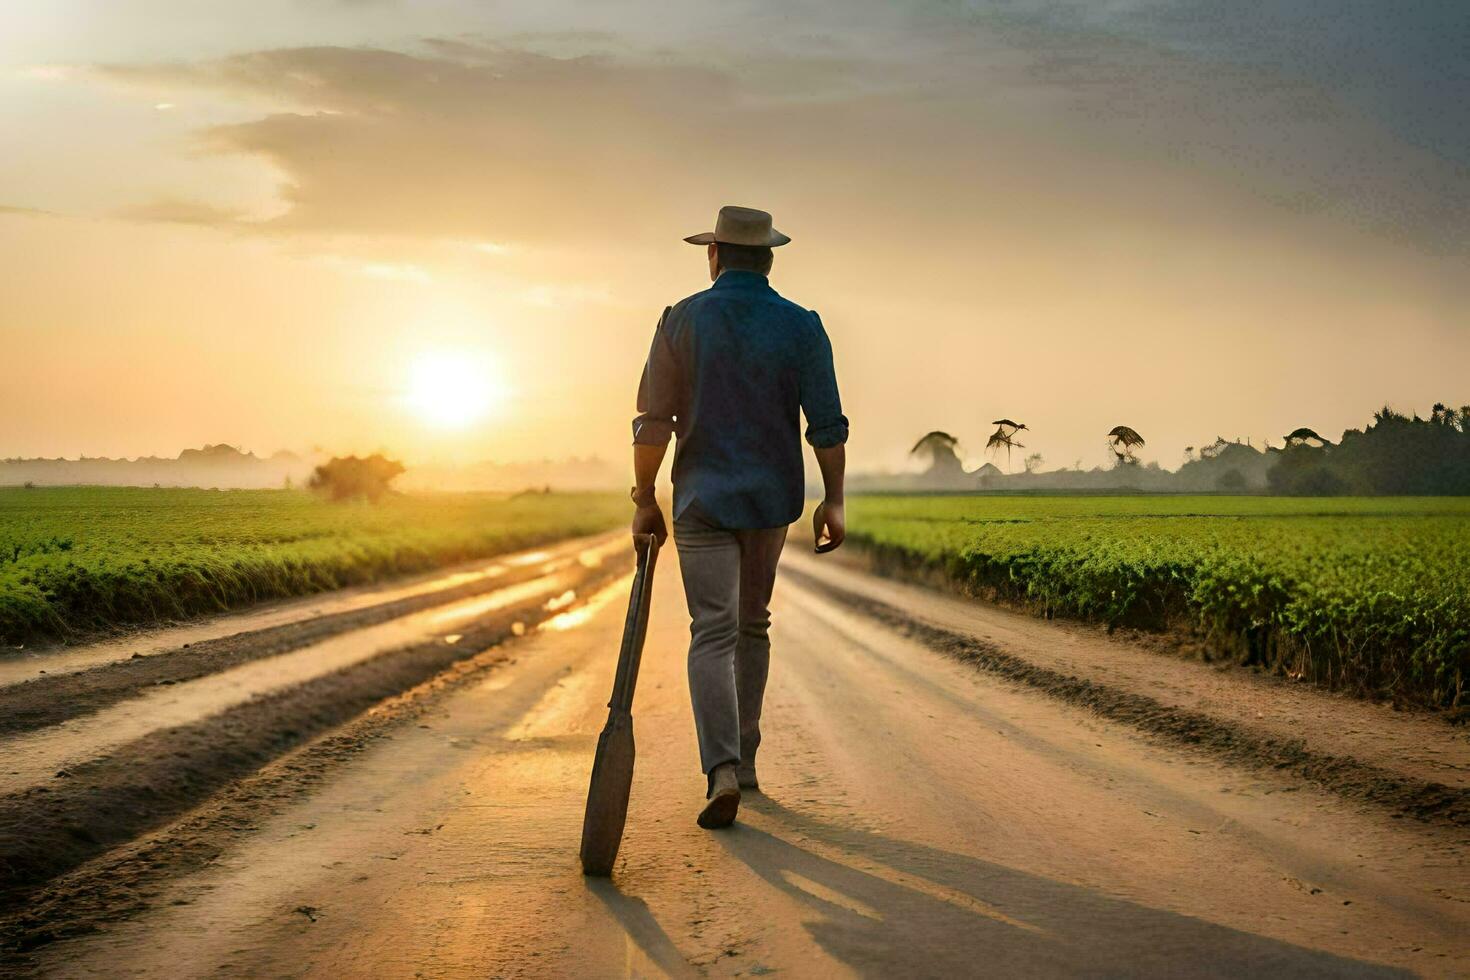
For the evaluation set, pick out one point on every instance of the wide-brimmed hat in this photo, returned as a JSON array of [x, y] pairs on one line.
[[741, 226]]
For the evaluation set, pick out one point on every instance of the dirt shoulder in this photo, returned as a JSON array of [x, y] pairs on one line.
[[1412, 762]]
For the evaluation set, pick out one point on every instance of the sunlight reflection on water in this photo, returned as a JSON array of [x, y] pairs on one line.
[[576, 617]]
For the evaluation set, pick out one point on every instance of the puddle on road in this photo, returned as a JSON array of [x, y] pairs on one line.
[[573, 618], [472, 608], [561, 602]]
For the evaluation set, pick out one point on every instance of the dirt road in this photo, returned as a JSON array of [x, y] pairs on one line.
[[921, 814]]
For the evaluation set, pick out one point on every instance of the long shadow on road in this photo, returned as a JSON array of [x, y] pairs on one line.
[[891, 907], [639, 923]]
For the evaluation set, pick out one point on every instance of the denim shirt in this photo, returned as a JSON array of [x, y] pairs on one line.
[[728, 372]]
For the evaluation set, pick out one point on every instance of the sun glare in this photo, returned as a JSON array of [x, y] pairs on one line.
[[452, 390]]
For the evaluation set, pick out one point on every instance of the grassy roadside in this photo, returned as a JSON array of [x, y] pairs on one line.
[[1363, 594], [80, 559]]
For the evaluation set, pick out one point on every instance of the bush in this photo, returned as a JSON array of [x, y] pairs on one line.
[[352, 478]]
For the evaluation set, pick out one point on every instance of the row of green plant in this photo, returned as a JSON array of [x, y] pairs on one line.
[[78, 559], [1369, 595]]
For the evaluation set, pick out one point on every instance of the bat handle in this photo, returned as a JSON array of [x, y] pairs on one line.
[[636, 625]]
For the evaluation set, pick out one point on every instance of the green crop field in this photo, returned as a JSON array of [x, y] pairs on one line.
[[1367, 594], [83, 558]]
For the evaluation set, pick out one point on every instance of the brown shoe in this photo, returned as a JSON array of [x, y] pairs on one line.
[[745, 776], [724, 798]]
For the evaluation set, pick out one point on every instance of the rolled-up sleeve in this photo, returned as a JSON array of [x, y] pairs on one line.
[[826, 426], [658, 391]]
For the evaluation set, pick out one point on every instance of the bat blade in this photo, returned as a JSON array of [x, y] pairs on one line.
[[607, 795]]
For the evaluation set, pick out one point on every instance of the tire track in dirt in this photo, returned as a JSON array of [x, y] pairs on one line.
[[46, 831], [1355, 780], [122, 882], [53, 699]]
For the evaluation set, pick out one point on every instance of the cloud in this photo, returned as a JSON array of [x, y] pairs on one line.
[[1402, 65], [475, 139], [48, 73], [35, 212], [183, 212], [515, 147]]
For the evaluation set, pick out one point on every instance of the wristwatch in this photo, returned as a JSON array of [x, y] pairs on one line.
[[644, 497]]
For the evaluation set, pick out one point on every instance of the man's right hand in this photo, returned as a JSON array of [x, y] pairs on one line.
[[829, 526], [650, 520]]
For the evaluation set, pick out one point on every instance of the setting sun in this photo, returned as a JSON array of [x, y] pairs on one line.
[[452, 389]]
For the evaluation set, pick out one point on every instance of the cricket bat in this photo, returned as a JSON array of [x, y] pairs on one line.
[[612, 767]]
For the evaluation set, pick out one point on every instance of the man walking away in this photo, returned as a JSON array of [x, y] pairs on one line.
[[728, 372]]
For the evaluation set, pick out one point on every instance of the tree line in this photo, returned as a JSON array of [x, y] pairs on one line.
[[1396, 454]]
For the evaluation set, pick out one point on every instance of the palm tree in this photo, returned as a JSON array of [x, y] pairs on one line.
[[1005, 435], [1122, 441], [942, 449]]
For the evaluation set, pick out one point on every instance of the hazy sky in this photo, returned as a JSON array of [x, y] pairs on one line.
[[252, 222]]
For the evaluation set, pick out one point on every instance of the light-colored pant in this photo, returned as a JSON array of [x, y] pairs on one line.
[[728, 578]]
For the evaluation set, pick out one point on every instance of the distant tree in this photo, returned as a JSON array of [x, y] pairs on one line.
[[1033, 462], [1122, 440], [942, 449], [1005, 435], [29, 485], [1215, 448], [1304, 437], [351, 477]]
